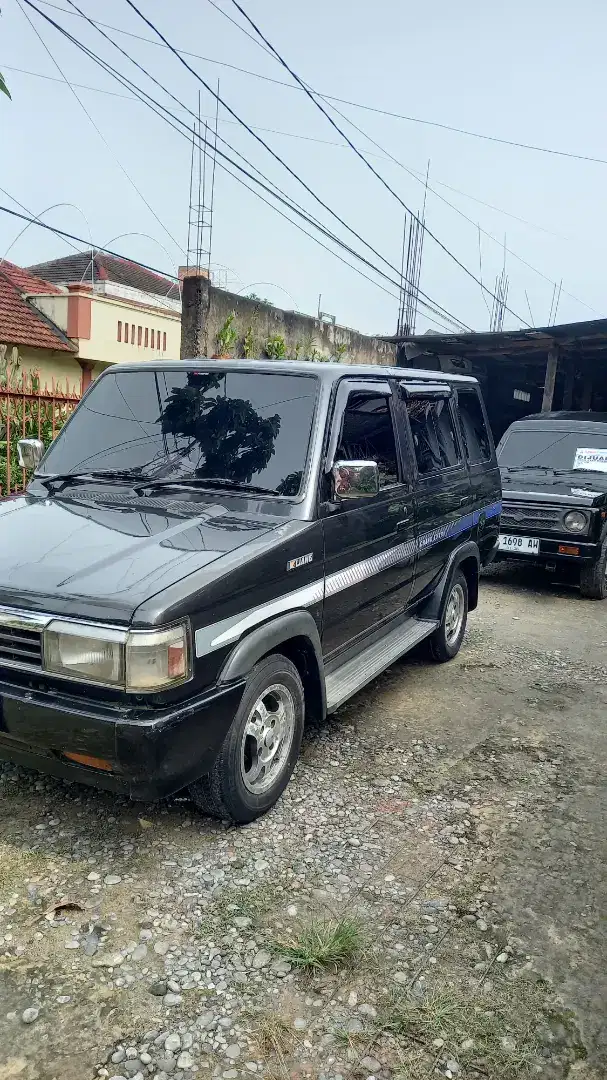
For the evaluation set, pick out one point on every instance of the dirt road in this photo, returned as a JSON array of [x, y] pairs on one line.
[[452, 817]]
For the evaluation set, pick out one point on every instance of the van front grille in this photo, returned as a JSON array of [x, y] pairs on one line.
[[19, 646]]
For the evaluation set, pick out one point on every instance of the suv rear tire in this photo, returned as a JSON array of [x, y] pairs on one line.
[[593, 578], [260, 750], [446, 640]]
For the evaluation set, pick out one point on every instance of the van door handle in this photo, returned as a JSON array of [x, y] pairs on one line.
[[402, 524]]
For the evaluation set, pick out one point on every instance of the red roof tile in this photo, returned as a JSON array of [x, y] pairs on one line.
[[20, 322]]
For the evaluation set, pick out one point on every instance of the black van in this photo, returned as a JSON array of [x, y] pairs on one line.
[[554, 472], [212, 552]]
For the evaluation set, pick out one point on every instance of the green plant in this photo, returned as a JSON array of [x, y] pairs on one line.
[[340, 351], [3, 87], [297, 351], [227, 335], [248, 345], [327, 944], [275, 347]]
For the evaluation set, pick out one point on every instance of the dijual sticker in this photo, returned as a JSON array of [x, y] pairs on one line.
[[591, 458]]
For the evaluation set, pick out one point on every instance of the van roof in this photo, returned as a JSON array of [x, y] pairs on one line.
[[327, 371]]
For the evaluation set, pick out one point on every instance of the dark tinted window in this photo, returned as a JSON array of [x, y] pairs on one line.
[[477, 443], [433, 433], [549, 447], [368, 435], [248, 427]]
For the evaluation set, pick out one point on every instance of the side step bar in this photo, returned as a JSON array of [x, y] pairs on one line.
[[347, 680]]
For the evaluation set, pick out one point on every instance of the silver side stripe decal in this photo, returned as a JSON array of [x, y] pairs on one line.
[[343, 579], [221, 633], [218, 634], [209, 638]]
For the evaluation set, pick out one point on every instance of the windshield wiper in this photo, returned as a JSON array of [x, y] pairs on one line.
[[102, 476], [196, 482]]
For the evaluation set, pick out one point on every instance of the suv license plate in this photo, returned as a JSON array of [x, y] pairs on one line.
[[526, 545]]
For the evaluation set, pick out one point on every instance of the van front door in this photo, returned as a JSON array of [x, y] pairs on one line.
[[369, 542]]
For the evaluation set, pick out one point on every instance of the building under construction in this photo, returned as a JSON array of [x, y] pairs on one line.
[[521, 371]]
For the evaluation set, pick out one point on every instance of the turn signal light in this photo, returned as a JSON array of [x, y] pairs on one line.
[[567, 549], [91, 762]]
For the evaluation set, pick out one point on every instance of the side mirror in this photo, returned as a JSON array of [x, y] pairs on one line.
[[30, 452], [355, 479]]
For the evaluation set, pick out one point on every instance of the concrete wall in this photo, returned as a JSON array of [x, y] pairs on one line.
[[205, 310]]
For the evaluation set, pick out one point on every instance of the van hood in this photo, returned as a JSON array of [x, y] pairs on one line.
[[572, 488], [101, 555]]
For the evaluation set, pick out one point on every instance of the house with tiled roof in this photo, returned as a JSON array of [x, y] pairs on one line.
[[70, 318], [30, 334], [112, 276], [115, 310]]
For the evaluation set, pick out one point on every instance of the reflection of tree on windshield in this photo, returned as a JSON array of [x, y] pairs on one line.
[[233, 440], [291, 483]]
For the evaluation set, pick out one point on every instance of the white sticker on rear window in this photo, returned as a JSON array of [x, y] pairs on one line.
[[593, 459]]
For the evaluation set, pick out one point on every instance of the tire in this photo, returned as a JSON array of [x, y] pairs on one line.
[[240, 786], [593, 579], [446, 640]]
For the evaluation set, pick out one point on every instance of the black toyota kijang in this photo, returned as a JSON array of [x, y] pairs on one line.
[[211, 553], [554, 475]]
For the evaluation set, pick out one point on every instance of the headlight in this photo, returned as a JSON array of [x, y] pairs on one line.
[[136, 661], [576, 521]]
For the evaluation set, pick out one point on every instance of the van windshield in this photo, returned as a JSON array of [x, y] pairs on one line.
[[245, 428], [561, 451]]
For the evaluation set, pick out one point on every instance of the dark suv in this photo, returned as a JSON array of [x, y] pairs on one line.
[[212, 552], [554, 472]]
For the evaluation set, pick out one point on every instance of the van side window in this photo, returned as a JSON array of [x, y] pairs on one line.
[[433, 433], [477, 443], [368, 435]]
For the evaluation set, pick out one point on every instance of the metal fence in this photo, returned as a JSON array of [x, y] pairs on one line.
[[28, 410]]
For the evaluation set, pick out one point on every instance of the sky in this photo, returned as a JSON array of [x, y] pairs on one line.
[[525, 72]]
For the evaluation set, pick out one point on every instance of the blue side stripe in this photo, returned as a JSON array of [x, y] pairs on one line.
[[456, 528]]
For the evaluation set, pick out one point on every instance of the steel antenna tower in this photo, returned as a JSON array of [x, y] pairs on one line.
[[202, 192]]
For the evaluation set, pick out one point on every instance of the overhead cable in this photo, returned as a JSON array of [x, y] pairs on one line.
[[346, 101], [282, 198]]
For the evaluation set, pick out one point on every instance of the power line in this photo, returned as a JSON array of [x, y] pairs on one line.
[[298, 135], [257, 137], [355, 149], [346, 101], [184, 130], [79, 240], [456, 209], [99, 132], [286, 200], [108, 251]]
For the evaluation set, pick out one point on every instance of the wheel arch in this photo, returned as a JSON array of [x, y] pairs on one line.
[[467, 559], [294, 635]]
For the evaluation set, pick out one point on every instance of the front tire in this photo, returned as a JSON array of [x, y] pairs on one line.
[[593, 578], [446, 640], [260, 750]]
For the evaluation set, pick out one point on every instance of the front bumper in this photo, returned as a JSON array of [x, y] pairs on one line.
[[589, 552], [151, 755]]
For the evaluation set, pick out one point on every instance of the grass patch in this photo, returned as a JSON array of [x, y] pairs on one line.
[[250, 903], [495, 1033], [274, 1035], [321, 945]]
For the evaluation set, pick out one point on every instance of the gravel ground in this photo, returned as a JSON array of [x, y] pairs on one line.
[[447, 826]]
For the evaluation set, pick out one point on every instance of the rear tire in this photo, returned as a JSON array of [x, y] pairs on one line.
[[446, 640], [593, 579], [260, 750]]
